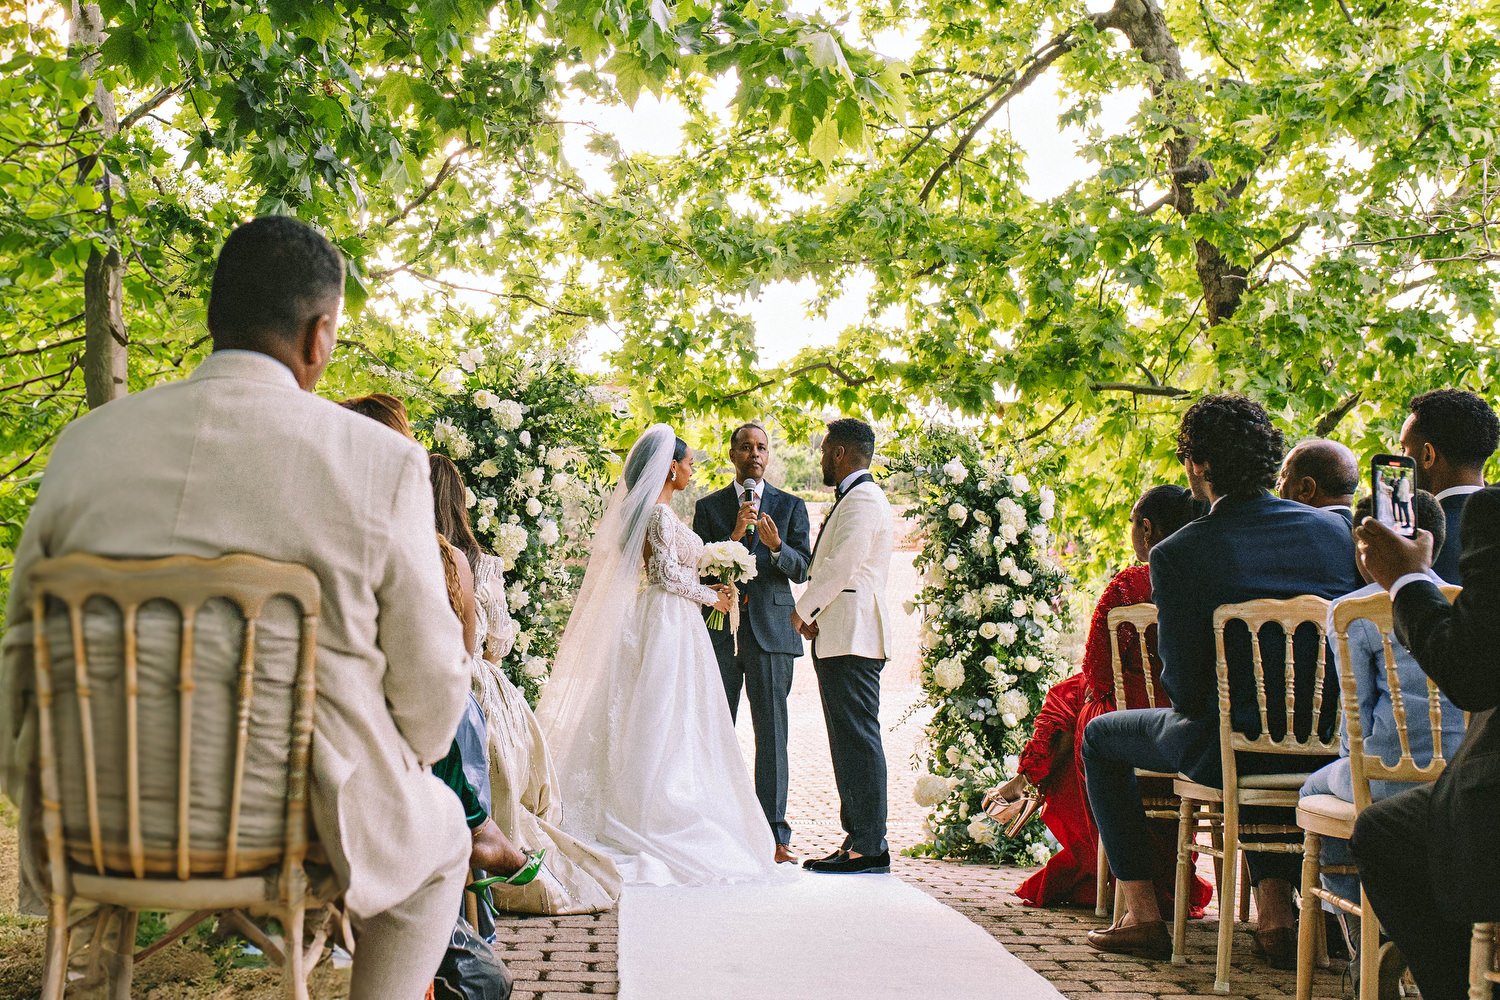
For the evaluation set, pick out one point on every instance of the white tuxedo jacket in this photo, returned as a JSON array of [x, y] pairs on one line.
[[845, 591], [237, 458]]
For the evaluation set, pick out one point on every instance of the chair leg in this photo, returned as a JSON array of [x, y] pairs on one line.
[[55, 972], [1311, 914], [1244, 888], [1369, 949], [1101, 883], [1481, 961], [1226, 904], [294, 976], [1187, 818]]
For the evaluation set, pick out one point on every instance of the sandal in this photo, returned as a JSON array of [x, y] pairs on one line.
[[525, 875], [1029, 812]]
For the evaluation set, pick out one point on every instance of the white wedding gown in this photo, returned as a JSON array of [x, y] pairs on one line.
[[670, 797]]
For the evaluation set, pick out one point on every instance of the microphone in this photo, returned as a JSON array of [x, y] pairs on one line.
[[749, 497]]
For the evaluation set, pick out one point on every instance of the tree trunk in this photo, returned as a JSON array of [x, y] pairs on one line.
[[105, 340]]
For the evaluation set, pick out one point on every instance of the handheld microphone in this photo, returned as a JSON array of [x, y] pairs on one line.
[[749, 497]]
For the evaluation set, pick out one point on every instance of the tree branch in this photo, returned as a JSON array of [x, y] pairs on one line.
[[842, 374], [1280, 244], [444, 172], [433, 279], [1333, 417], [153, 102], [27, 352], [61, 376], [1168, 391], [1048, 425]]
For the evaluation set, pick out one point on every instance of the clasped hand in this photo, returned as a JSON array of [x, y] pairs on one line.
[[807, 630], [726, 597]]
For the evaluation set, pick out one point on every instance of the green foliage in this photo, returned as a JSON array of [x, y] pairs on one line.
[[993, 604], [527, 433]]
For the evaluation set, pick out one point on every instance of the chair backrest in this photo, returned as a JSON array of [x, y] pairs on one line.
[[1365, 767], [1290, 616], [168, 676], [1142, 617]]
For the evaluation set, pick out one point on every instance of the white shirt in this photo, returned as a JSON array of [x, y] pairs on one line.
[[758, 491], [849, 480]]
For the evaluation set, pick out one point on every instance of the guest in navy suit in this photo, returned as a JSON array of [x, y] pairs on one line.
[[773, 525], [1323, 474], [1250, 545], [1451, 434]]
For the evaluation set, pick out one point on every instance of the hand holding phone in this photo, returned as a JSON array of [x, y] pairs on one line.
[[1393, 485]]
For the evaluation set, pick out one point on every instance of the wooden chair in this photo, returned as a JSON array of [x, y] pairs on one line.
[[1198, 801], [102, 682], [1141, 617], [1322, 816], [1484, 974]]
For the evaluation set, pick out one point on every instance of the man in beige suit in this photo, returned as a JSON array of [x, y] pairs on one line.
[[843, 612], [243, 457]]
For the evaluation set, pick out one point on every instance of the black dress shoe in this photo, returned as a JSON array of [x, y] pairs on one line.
[[1151, 940], [871, 864], [1277, 946], [835, 856]]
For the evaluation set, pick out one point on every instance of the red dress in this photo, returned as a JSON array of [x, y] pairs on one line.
[[1069, 706]]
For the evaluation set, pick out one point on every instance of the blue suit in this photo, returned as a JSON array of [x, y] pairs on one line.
[[1246, 548], [768, 644]]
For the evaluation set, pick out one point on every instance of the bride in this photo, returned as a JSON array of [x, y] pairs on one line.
[[641, 737]]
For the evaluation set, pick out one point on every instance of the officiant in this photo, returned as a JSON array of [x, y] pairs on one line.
[[758, 659]]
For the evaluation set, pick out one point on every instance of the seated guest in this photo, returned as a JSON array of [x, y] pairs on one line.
[[243, 457], [1377, 717], [1451, 434], [1427, 856], [1051, 761], [524, 801], [1320, 473], [1250, 545]]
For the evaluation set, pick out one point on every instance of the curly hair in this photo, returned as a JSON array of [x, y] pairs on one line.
[[1426, 510], [1459, 425], [1234, 437]]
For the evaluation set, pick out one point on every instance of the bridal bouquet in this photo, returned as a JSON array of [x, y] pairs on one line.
[[731, 563]]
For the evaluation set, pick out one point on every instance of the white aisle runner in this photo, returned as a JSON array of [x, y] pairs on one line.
[[819, 937]]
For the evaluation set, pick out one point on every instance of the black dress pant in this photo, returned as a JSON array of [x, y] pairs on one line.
[[1394, 853], [850, 688]]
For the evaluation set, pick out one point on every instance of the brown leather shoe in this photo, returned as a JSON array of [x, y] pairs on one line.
[[1151, 940], [784, 855], [1278, 947]]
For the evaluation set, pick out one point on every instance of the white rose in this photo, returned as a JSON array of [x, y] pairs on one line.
[[991, 665], [953, 756], [516, 596], [1020, 483], [1022, 578], [533, 506], [1011, 764], [984, 485], [982, 517], [548, 533], [484, 522], [1041, 609], [452, 380], [1009, 720], [1040, 854], [484, 399], [930, 790], [948, 674], [534, 667], [951, 564], [1048, 506], [470, 359], [523, 642], [1007, 566], [488, 469], [1031, 664], [989, 630], [525, 438], [955, 471], [469, 498], [1019, 609], [981, 831], [958, 512]]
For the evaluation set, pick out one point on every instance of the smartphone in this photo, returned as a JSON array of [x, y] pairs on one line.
[[1393, 484]]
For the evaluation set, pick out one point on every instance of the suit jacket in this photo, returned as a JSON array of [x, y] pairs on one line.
[[1244, 549], [1446, 563], [237, 458], [769, 607], [845, 591], [1458, 646]]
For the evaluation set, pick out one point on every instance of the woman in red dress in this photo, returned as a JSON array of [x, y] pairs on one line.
[[1052, 760]]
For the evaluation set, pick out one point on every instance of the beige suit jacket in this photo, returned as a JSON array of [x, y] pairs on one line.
[[237, 458], [845, 591]]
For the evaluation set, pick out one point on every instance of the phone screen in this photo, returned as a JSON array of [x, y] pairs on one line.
[[1394, 484]]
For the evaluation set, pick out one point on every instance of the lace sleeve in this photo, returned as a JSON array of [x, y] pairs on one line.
[[669, 566], [500, 627]]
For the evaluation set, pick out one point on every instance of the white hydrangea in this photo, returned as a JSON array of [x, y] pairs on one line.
[[981, 830], [488, 469], [461, 447], [948, 674], [930, 790], [955, 471], [1007, 632], [958, 513], [548, 533], [534, 667], [510, 542], [1014, 703], [508, 414], [1010, 720], [1012, 514], [1039, 535]]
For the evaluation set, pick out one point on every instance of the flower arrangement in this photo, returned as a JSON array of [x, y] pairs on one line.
[[731, 563], [526, 432], [994, 610]]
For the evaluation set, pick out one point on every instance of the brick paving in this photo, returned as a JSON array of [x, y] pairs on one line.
[[561, 957]]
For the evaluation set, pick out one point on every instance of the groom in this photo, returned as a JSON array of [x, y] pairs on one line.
[[843, 612], [773, 526]]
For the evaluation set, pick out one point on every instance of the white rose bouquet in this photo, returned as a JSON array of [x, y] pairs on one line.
[[731, 563]]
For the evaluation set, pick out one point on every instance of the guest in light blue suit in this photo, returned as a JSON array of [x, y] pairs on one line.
[[1377, 718]]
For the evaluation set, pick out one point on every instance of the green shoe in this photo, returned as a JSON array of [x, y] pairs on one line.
[[524, 876]]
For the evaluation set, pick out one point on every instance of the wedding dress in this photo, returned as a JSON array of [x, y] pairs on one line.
[[635, 712]]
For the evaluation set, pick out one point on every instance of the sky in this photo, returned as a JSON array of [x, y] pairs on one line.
[[782, 320]]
